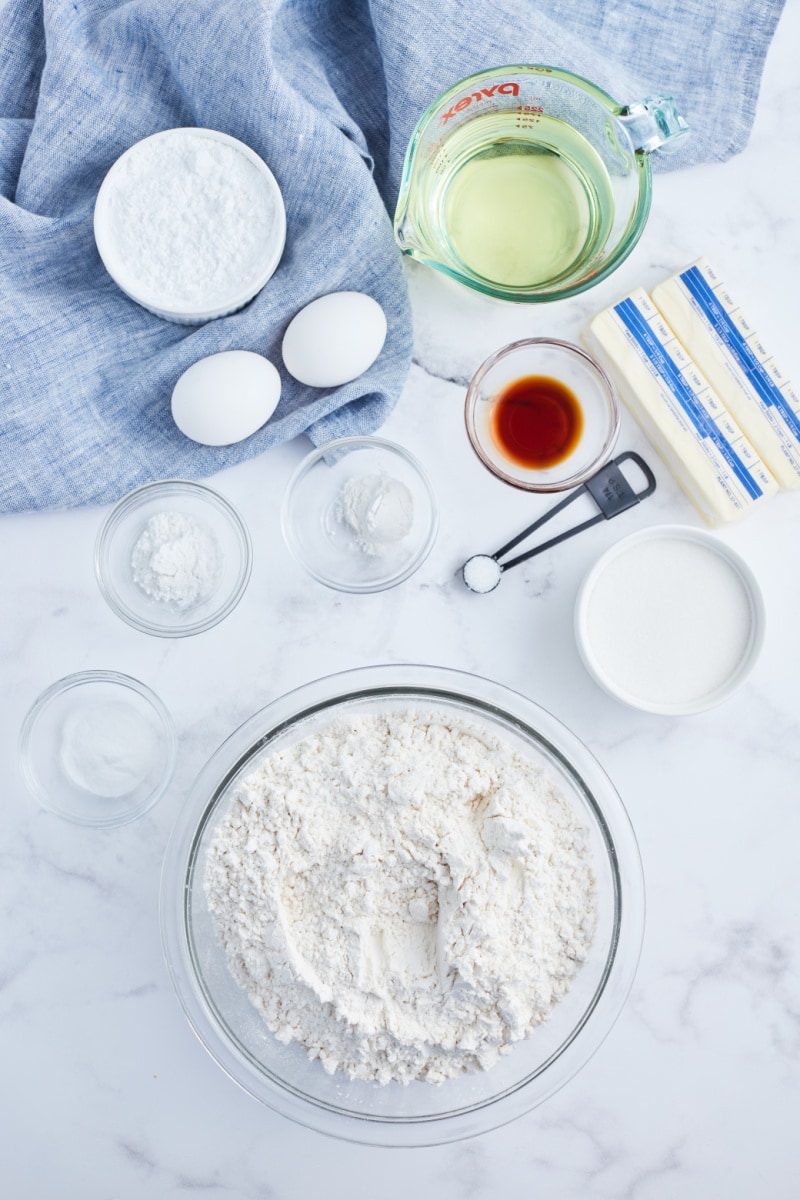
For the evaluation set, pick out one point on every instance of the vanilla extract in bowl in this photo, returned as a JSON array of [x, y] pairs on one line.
[[542, 415], [537, 421]]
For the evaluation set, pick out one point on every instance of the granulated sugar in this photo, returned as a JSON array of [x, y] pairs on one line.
[[403, 894], [669, 620]]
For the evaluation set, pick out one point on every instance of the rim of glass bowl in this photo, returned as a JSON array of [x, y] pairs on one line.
[[67, 684], [128, 504], [499, 703], [300, 472], [607, 386], [185, 314]]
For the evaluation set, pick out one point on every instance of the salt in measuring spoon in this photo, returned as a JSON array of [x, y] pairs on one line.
[[611, 492]]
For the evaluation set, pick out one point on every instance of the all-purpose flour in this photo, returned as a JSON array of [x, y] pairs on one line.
[[403, 894]]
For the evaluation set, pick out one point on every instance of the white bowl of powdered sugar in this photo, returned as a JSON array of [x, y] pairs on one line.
[[402, 905], [190, 224]]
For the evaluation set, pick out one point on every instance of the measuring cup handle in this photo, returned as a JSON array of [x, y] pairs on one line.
[[654, 124]]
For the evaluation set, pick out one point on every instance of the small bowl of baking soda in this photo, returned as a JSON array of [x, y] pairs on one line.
[[360, 514], [190, 223], [173, 558], [98, 748]]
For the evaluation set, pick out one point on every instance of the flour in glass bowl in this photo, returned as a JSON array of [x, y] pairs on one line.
[[403, 894]]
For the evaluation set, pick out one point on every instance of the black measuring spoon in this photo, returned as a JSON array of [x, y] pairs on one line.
[[611, 492]]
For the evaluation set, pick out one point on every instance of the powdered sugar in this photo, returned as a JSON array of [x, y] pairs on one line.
[[403, 894], [190, 220]]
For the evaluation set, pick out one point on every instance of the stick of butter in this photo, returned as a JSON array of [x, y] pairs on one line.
[[680, 412], [728, 351]]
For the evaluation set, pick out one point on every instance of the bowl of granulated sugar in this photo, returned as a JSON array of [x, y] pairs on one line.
[[670, 620], [190, 224]]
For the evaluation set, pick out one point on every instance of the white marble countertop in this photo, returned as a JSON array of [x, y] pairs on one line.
[[696, 1091]]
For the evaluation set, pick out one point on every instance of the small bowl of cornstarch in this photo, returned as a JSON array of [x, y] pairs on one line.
[[190, 223], [173, 558]]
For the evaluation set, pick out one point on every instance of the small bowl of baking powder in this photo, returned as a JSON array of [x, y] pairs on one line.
[[360, 514], [173, 558], [190, 223]]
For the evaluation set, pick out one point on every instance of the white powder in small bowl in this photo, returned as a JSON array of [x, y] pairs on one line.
[[669, 620], [378, 510], [188, 221], [108, 749], [176, 560]]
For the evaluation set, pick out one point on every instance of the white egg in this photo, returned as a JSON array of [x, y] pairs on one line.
[[334, 339], [225, 397]]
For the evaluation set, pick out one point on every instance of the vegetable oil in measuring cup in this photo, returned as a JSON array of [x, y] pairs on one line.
[[520, 200]]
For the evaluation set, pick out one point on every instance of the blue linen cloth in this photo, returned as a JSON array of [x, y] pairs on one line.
[[327, 92]]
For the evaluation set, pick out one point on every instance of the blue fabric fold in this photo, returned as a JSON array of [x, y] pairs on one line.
[[327, 92]]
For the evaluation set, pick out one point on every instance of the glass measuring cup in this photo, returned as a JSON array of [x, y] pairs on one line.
[[529, 183]]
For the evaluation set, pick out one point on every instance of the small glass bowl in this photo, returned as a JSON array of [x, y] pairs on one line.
[[120, 532], [344, 555], [569, 365], [98, 748]]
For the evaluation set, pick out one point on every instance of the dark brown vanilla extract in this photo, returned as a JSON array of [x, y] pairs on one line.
[[536, 421]]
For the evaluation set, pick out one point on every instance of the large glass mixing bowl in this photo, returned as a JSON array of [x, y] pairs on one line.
[[282, 1076]]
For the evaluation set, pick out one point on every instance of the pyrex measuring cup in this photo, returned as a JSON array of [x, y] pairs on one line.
[[529, 183]]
